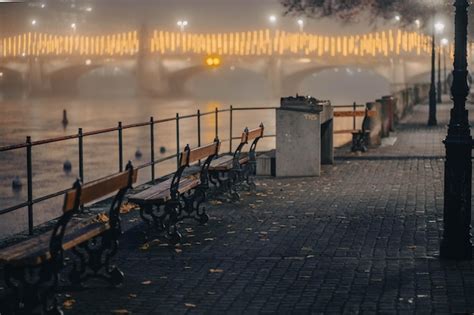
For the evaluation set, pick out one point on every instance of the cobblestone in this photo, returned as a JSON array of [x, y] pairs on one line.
[[362, 238]]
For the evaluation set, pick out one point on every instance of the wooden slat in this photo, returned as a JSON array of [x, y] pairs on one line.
[[200, 153], [97, 189], [161, 191], [346, 131], [243, 138], [255, 133], [224, 163], [36, 250], [350, 113]]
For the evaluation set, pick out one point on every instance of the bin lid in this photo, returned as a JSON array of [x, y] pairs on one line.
[[305, 104]]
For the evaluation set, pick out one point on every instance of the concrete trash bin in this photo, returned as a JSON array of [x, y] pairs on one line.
[[304, 136]]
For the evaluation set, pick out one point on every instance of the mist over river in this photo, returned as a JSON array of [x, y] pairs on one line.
[[103, 103]]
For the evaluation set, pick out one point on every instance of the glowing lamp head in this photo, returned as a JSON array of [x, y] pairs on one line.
[[213, 61], [398, 18], [439, 27], [417, 23], [272, 19], [300, 22], [444, 42], [33, 22]]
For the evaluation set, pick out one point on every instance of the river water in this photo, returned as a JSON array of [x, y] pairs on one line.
[[41, 118]]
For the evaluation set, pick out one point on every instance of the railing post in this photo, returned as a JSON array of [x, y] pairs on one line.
[[177, 140], [152, 148], [81, 154], [217, 122], [29, 174], [354, 117], [199, 127], [120, 143], [230, 128]]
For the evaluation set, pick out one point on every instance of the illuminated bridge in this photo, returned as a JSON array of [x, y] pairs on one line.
[[163, 61]]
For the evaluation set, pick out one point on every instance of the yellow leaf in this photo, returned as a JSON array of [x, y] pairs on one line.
[[145, 246], [132, 295], [127, 206], [102, 217], [120, 311], [216, 270], [68, 303], [190, 305]]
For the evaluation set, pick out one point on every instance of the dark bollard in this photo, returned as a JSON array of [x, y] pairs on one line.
[[67, 167], [65, 120], [375, 124], [138, 154], [16, 183], [162, 150]]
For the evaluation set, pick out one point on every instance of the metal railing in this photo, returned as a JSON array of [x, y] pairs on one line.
[[29, 144]]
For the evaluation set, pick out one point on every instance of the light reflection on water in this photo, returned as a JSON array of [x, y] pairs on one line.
[[42, 118]]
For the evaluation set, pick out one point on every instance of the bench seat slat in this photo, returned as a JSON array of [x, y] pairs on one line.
[[161, 191], [224, 163], [36, 250]]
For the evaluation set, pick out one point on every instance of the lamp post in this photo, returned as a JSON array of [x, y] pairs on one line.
[[456, 241], [432, 105], [439, 28], [439, 90], [182, 25], [300, 23], [444, 45]]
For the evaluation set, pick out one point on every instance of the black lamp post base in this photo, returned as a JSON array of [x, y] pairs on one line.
[[455, 250]]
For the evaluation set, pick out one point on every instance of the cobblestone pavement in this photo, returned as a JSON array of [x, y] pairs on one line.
[[362, 238]]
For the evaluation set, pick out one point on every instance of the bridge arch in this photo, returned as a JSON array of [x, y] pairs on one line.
[[230, 80], [326, 82]]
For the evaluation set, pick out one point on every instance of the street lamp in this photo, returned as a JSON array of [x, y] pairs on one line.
[[272, 19], [33, 22], [456, 241], [417, 23], [300, 23], [437, 27], [397, 18], [73, 26], [182, 25], [444, 44]]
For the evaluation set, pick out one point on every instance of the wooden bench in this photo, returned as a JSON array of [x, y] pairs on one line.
[[360, 137], [169, 202], [32, 267], [229, 169]]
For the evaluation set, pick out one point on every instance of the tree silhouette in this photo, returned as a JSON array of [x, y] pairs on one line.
[[409, 11]]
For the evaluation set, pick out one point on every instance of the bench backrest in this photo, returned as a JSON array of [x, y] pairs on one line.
[[81, 194], [189, 156], [253, 135], [98, 189]]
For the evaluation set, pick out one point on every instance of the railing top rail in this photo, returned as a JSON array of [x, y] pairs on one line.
[[128, 126]]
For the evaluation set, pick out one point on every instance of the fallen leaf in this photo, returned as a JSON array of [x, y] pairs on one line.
[[211, 292], [231, 232], [68, 303], [146, 282], [132, 295], [120, 311], [145, 246], [209, 239], [216, 270], [190, 305], [215, 202], [102, 217], [178, 251], [127, 207]]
